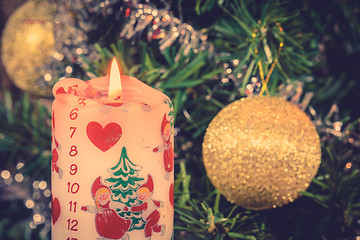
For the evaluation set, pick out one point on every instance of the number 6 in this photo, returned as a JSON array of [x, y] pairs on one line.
[[74, 114]]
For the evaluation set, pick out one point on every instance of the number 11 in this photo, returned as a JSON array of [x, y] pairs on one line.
[[72, 209]]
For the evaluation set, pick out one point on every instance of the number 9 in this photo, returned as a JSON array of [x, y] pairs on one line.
[[73, 169]]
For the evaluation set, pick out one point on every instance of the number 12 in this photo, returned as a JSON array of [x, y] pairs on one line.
[[72, 224]]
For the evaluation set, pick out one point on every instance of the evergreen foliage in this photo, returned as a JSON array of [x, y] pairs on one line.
[[314, 42]]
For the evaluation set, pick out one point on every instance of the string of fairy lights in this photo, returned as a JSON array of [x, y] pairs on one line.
[[35, 195]]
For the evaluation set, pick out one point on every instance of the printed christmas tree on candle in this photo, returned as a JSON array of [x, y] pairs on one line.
[[124, 182]]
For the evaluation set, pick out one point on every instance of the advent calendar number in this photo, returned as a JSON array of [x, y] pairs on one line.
[[82, 101], [73, 151], [72, 224], [72, 206], [73, 131], [74, 114], [73, 188], [73, 169]]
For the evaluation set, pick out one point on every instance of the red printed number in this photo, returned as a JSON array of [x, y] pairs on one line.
[[73, 151], [73, 188], [73, 131], [72, 206], [74, 114], [72, 224], [71, 238], [73, 169]]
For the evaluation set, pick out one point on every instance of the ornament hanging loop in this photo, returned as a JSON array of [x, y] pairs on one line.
[[265, 81]]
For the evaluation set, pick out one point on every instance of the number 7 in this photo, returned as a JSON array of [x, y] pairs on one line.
[[73, 131]]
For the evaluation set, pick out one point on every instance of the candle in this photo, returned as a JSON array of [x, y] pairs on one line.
[[112, 163]]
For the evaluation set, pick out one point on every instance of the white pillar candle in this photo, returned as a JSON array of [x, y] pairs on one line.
[[112, 164]]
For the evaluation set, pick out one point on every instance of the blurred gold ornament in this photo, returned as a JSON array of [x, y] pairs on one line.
[[27, 44], [260, 152]]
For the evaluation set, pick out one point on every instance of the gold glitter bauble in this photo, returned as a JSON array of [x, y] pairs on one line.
[[27, 44], [260, 152]]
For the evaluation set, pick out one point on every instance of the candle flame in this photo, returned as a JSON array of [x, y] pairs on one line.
[[115, 80]]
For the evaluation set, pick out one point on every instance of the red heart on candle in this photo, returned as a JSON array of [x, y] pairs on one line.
[[115, 104], [171, 195], [103, 138], [55, 209], [53, 121]]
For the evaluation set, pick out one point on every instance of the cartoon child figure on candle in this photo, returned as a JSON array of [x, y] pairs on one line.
[[167, 147], [55, 156], [109, 225], [54, 163], [148, 207]]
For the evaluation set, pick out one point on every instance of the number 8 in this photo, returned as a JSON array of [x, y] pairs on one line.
[[73, 151]]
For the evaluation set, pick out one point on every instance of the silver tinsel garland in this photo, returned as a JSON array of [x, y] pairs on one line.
[[161, 24]]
